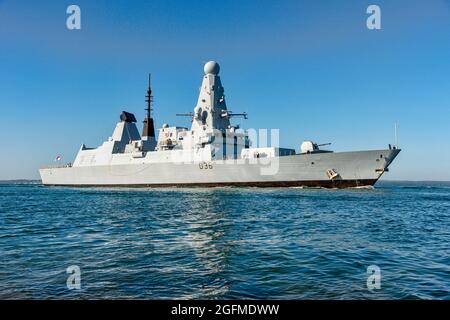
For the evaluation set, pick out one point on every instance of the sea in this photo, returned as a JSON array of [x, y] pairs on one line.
[[387, 242]]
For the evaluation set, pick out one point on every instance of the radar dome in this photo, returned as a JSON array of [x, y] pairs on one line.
[[212, 67]]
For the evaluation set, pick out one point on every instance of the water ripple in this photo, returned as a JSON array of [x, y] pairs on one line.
[[220, 243]]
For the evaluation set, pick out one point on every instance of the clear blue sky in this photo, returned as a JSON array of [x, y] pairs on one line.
[[310, 68]]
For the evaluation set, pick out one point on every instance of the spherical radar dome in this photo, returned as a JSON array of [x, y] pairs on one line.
[[211, 67]]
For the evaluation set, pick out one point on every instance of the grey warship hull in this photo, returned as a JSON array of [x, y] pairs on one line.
[[353, 169], [214, 152]]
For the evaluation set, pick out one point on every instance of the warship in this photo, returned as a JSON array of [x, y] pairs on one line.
[[212, 153]]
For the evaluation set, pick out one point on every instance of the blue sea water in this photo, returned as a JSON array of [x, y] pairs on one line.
[[220, 243]]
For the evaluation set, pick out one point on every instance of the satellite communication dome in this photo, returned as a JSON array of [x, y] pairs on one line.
[[212, 67]]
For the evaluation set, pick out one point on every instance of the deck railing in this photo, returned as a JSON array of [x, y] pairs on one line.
[[55, 166]]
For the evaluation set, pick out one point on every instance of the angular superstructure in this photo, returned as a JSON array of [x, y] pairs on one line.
[[212, 152]]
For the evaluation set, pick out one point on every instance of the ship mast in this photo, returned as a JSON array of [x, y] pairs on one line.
[[149, 128]]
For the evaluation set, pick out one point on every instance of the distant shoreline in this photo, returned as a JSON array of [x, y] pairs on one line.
[[380, 181], [20, 181]]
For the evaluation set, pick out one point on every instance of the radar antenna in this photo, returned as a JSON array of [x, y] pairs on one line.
[[229, 114], [396, 134]]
